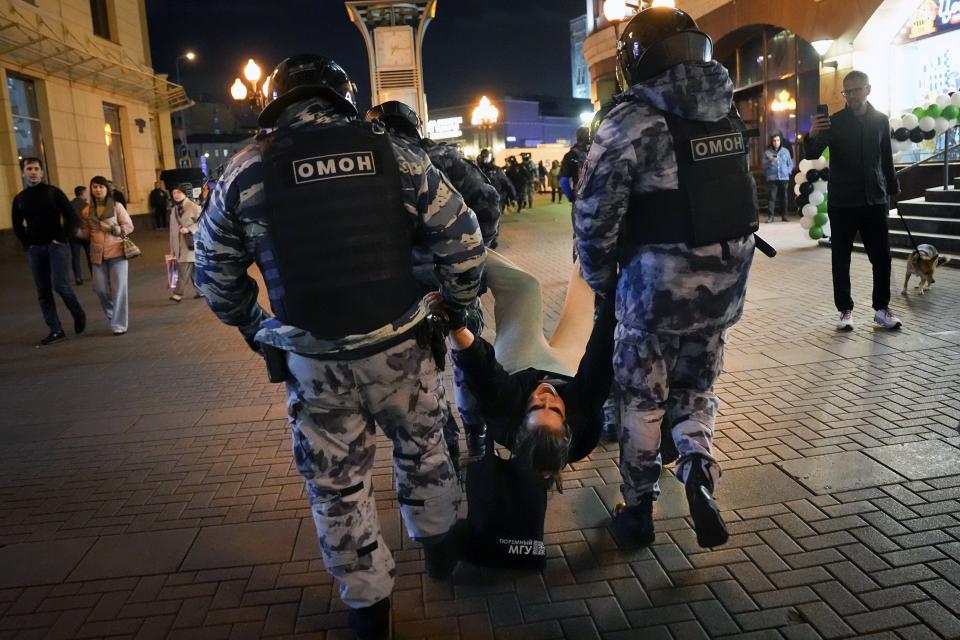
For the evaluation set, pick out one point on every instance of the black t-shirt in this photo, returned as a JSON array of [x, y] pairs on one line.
[[42, 214]]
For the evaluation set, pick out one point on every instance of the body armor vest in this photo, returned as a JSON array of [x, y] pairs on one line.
[[340, 236], [717, 197]]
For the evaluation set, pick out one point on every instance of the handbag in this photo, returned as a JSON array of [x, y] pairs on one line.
[[130, 250], [188, 237], [506, 506]]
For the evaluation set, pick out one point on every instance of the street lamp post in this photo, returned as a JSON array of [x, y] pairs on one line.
[[187, 55], [253, 92], [485, 116]]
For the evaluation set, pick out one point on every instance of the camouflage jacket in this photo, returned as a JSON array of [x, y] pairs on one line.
[[667, 288], [473, 185], [238, 217], [500, 181]]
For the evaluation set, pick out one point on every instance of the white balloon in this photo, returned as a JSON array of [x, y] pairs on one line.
[[816, 198], [941, 124], [805, 165], [808, 211], [796, 188], [927, 123], [896, 122], [952, 122], [826, 228], [910, 121], [806, 222], [820, 163], [942, 100], [906, 145], [955, 99], [820, 186]]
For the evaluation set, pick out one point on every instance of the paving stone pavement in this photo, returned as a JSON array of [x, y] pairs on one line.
[[147, 490]]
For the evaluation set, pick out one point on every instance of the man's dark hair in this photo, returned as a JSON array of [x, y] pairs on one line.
[[30, 160], [857, 75], [78, 190], [544, 450]]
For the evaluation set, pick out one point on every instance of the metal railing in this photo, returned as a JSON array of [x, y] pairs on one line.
[[945, 152]]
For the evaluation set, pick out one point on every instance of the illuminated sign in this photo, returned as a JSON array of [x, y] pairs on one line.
[[932, 17], [784, 102], [444, 128]]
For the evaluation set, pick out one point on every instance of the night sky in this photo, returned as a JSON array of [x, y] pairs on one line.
[[499, 47]]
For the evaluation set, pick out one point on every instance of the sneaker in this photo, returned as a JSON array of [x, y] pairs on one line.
[[846, 321], [476, 439], [769, 219], [373, 622], [78, 281], [54, 336], [80, 323], [885, 318], [633, 525], [176, 297], [119, 332], [707, 521]]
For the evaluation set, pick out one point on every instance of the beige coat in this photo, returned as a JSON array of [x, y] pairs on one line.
[[188, 220], [105, 240]]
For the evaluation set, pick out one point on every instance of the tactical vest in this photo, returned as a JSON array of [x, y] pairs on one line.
[[717, 197], [340, 236]]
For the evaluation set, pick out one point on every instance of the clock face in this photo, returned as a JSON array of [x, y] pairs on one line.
[[394, 47]]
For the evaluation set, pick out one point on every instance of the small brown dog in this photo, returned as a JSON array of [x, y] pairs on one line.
[[922, 263]]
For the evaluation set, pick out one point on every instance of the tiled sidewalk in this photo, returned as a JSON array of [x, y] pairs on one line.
[[147, 490]]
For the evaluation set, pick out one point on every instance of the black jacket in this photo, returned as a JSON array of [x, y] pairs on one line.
[[42, 214], [861, 159], [503, 396]]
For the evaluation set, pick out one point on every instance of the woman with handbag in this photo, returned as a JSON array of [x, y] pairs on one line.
[[184, 216], [109, 223]]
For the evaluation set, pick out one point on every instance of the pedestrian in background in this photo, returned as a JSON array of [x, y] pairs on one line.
[[778, 166], [862, 182], [554, 181], [108, 221], [43, 220], [159, 202], [79, 239], [542, 175], [184, 216], [116, 194]]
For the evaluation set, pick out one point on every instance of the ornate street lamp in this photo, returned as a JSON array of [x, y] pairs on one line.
[[485, 116], [251, 91]]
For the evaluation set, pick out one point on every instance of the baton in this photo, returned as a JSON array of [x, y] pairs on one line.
[[764, 247]]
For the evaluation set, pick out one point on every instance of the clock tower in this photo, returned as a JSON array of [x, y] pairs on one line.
[[393, 32]]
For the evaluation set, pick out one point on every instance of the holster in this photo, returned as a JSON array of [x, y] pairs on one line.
[[276, 360], [431, 334]]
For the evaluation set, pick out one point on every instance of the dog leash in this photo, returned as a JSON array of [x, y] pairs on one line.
[[909, 235]]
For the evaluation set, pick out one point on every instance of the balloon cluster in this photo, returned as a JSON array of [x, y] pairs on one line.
[[811, 193], [924, 123]]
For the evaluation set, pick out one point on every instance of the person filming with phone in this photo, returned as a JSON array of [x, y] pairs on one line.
[[861, 184]]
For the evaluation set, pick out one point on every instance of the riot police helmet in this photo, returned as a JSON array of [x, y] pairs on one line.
[[656, 39], [511, 159], [304, 76], [397, 116]]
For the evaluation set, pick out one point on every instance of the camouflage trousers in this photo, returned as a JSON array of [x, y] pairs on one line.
[[334, 408], [668, 375]]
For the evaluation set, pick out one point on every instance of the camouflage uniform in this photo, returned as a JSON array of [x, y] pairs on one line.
[[334, 402], [674, 302], [501, 182], [531, 181]]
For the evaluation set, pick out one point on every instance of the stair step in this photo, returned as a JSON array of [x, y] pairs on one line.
[[901, 253], [939, 194], [920, 207], [926, 224], [943, 242]]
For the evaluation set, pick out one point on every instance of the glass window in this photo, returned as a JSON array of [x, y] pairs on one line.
[[750, 63], [28, 132], [781, 55], [101, 18], [114, 141]]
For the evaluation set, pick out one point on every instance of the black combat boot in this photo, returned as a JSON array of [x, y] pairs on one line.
[[476, 439], [633, 525], [442, 553], [707, 521], [373, 622]]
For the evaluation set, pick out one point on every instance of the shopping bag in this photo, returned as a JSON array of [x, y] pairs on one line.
[[172, 273]]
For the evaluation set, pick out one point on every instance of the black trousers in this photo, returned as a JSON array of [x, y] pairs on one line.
[[777, 198], [871, 222]]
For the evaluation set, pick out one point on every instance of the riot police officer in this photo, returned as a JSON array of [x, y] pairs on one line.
[[498, 179], [572, 162], [518, 177], [665, 215], [480, 196], [330, 208], [532, 177]]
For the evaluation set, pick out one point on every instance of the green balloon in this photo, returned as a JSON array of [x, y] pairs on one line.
[[826, 154], [820, 219], [950, 112], [816, 233], [822, 208], [933, 111], [919, 112]]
